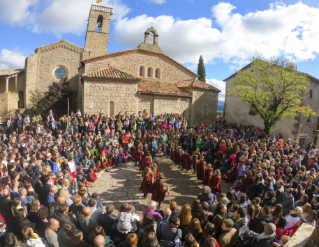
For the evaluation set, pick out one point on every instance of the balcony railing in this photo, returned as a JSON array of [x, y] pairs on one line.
[[101, 8]]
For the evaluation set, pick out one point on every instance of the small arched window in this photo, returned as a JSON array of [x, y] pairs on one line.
[[99, 23], [112, 106], [141, 71], [157, 72], [149, 72], [205, 110]]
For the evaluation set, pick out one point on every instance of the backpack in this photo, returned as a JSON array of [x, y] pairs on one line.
[[167, 243]]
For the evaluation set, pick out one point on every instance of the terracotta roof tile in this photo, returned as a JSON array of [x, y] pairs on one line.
[[160, 87], [194, 83], [111, 73], [97, 58], [10, 72]]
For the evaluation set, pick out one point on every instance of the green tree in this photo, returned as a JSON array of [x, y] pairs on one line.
[[273, 88], [35, 100], [201, 69]]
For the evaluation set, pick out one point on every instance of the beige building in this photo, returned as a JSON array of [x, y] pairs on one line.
[[141, 79], [300, 128]]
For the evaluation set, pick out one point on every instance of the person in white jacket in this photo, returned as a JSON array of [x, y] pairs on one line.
[[293, 218]]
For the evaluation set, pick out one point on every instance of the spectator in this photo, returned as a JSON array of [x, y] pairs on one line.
[[107, 220], [95, 212], [131, 240], [287, 201], [227, 237], [170, 232], [152, 210], [240, 218], [99, 231], [257, 225], [50, 233], [32, 238], [147, 226], [206, 195], [264, 239], [62, 215], [86, 222]]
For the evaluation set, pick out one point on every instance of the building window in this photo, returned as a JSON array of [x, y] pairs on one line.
[[310, 93], [317, 124], [302, 141], [157, 73], [112, 108], [309, 119], [149, 72], [205, 110], [141, 71], [60, 73]]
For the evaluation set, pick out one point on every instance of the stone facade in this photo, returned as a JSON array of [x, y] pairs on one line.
[[130, 62], [41, 66], [100, 95], [299, 128], [132, 80], [8, 102]]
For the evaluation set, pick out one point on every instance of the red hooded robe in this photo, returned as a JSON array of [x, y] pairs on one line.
[[146, 185], [158, 192]]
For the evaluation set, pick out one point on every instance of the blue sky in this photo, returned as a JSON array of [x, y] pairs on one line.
[[226, 33]]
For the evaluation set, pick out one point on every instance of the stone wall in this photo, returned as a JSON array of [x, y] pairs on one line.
[[130, 63], [159, 104], [40, 69], [204, 107], [8, 102], [99, 95], [146, 103], [295, 128]]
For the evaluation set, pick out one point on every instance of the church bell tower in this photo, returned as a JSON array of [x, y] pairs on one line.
[[98, 30]]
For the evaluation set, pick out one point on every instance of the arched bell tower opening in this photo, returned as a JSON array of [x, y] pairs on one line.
[[99, 23], [151, 41]]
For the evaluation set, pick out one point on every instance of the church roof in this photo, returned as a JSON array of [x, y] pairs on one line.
[[194, 83], [9, 72], [60, 44], [159, 87], [111, 73], [137, 50]]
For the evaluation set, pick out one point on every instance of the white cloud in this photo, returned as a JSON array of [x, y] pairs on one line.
[[16, 12], [11, 60], [157, 1], [55, 16], [232, 37], [71, 16], [221, 85]]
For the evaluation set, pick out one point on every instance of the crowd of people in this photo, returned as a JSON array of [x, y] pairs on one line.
[[47, 165]]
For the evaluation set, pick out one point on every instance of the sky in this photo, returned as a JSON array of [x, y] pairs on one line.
[[226, 33]]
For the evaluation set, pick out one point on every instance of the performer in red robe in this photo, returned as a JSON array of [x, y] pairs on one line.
[[137, 153], [200, 168], [158, 191], [207, 174], [91, 176], [216, 182], [176, 156], [171, 156], [146, 185], [194, 161], [180, 160], [186, 161], [141, 161], [147, 161]]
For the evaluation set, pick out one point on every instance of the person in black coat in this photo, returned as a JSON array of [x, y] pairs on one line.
[[107, 220], [269, 199], [265, 239], [257, 225], [61, 215], [286, 200], [255, 188]]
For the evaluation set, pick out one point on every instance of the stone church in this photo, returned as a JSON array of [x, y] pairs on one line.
[[141, 79]]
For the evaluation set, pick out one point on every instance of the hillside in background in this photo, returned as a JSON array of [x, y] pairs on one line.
[[220, 105]]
